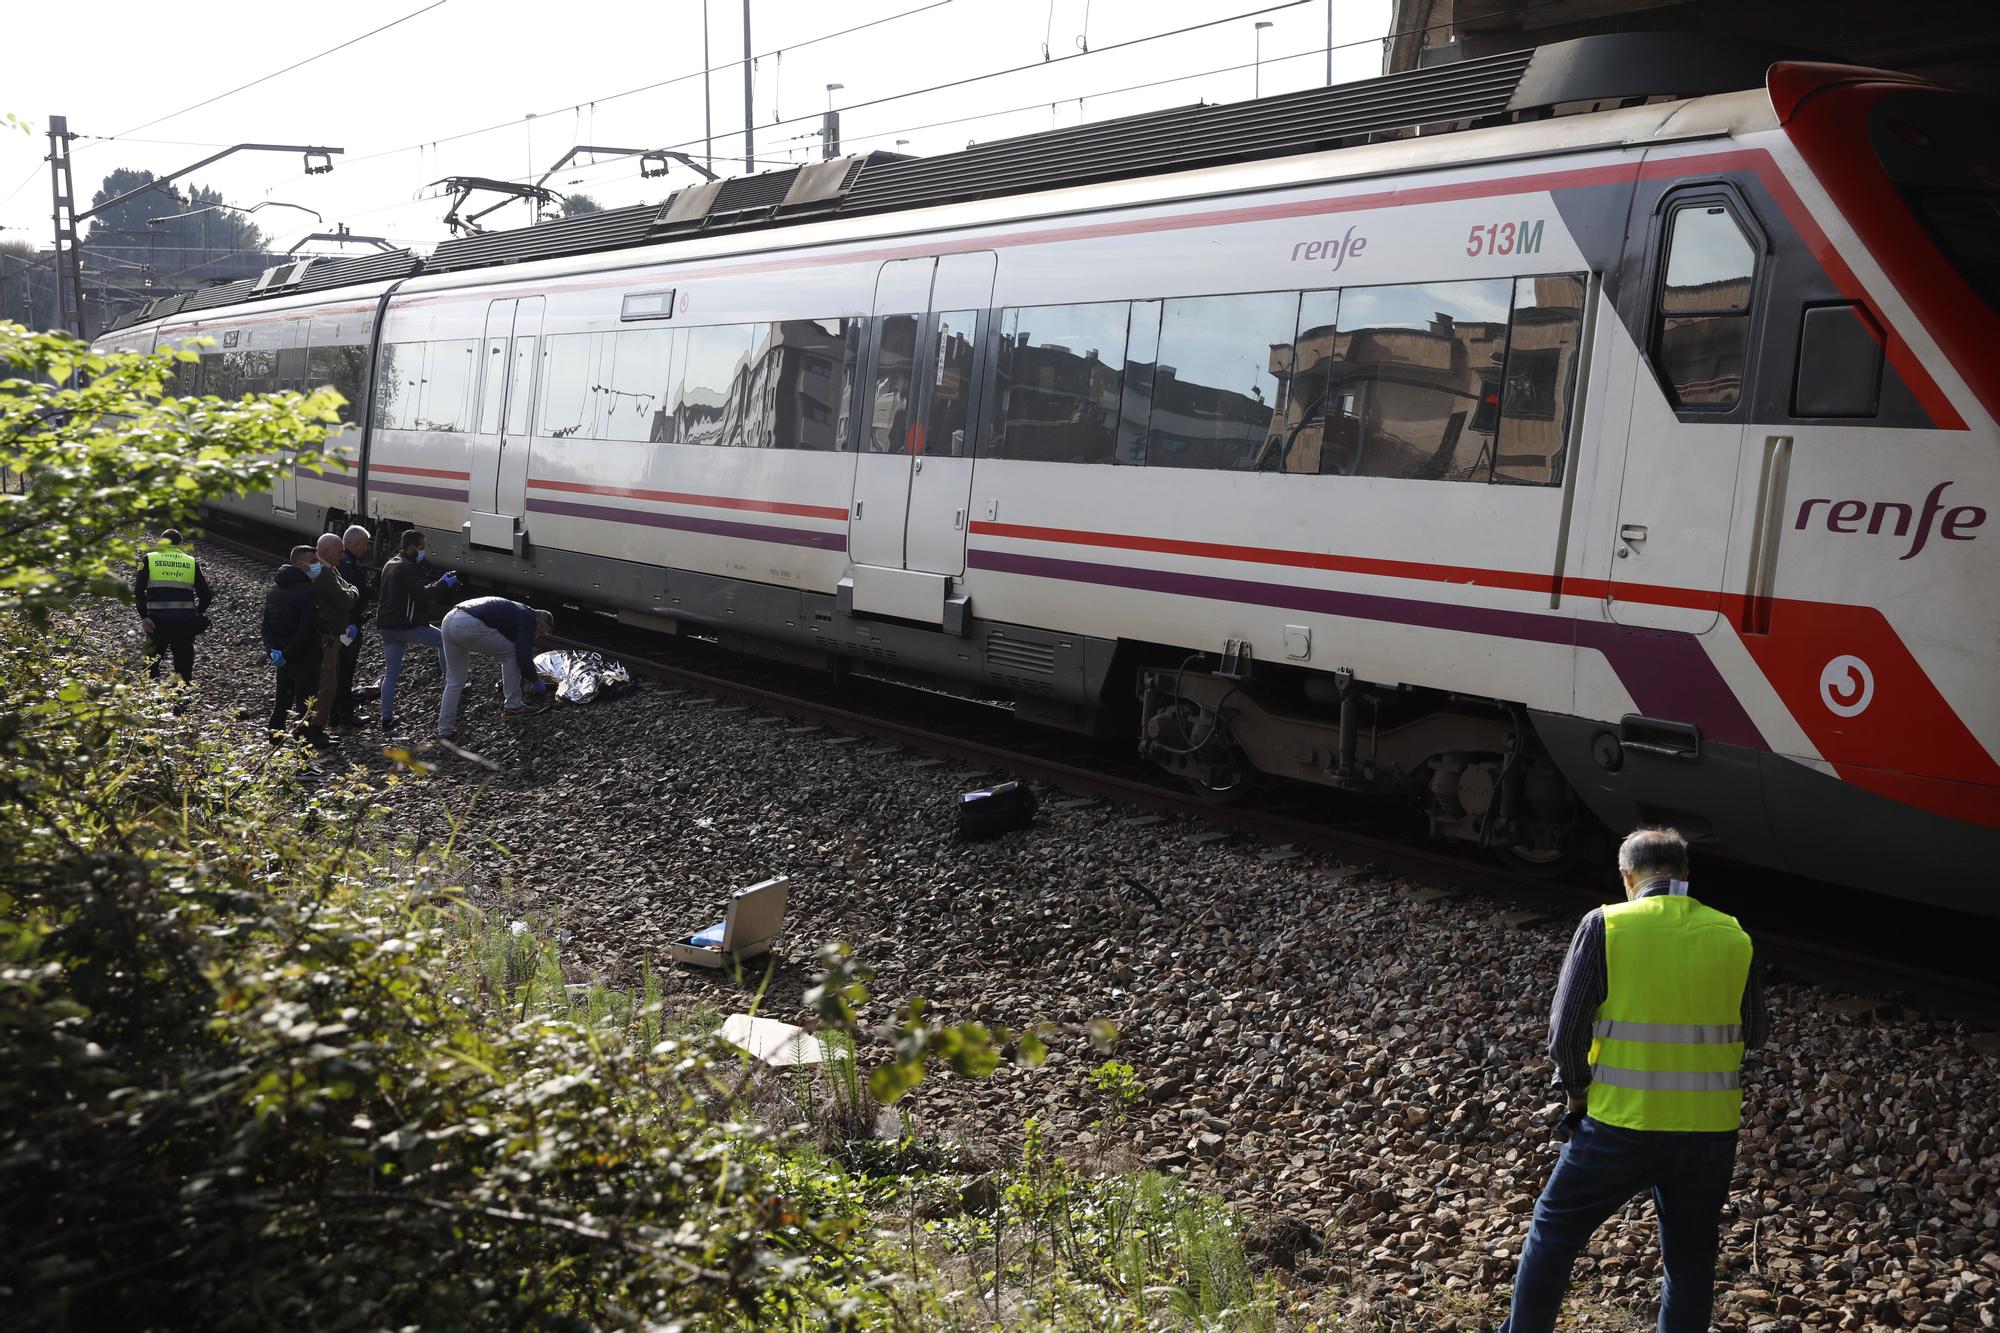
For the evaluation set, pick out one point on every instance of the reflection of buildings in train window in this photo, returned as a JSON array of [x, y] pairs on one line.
[[794, 384], [1541, 358], [1701, 354], [1407, 384], [706, 408], [1060, 383], [945, 424], [895, 361], [1704, 325], [1219, 386]]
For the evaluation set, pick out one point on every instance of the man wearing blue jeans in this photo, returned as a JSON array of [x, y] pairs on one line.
[[1656, 1005], [491, 627], [404, 615]]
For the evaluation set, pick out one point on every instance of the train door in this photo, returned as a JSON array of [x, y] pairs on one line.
[[877, 520], [286, 353], [941, 463], [913, 478], [509, 355], [1676, 500]]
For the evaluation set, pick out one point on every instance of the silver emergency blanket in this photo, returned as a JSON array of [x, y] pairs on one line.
[[582, 678]]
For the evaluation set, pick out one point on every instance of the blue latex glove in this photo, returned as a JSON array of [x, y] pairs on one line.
[[449, 580], [277, 658], [353, 633]]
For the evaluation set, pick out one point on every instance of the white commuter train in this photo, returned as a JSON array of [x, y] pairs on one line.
[[1624, 453]]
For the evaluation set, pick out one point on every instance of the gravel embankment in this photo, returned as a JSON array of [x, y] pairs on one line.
[[1320, 1046]]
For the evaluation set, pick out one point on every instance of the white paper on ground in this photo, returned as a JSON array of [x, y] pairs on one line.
[[766, 1039]]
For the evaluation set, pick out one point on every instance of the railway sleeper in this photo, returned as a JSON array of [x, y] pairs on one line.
[[1473, 767]]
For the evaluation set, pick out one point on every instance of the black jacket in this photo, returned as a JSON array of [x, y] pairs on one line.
[[406, 601], [289, 616], [357, 574]]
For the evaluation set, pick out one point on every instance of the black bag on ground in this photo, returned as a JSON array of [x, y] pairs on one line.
[[992, 811]]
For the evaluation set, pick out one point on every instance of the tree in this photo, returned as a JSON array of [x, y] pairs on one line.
[[126, 226], [90, 445], [576, 205], [27, 285]]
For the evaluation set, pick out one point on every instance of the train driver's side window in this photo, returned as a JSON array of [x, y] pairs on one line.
[[1702, 340]]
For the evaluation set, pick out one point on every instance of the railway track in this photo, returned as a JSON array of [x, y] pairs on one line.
[[938, 726]]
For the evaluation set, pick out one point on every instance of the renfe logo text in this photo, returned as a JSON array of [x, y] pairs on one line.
[[1847, 516], [1339, 251]]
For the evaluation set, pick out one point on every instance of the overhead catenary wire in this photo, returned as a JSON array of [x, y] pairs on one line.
[[1316, 50], [299, 64], [649, 87]]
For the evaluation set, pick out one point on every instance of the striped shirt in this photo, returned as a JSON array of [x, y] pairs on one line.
[[1583, 986]]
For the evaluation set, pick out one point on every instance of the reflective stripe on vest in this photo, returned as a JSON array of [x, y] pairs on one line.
[[169, 581], [1667, 1045]]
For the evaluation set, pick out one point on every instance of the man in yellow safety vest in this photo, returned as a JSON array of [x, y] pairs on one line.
[[172, 597], [1654, 1009]]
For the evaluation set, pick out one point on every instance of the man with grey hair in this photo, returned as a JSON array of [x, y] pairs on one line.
[[492, 627], [354, 568], [1656, 1004], [334, 599]]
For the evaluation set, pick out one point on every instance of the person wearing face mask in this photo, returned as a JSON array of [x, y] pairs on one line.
[[353, 567], [334, 600], [405, 607], [291, 638]]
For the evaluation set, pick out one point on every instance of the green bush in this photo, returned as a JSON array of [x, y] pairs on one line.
[[245, 1083]]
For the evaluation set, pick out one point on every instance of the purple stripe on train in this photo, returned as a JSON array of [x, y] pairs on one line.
[[427, 492], [715, 527], [1668, 674], [330, 477]]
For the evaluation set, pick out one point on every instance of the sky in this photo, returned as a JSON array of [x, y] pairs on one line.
[[450, 89]]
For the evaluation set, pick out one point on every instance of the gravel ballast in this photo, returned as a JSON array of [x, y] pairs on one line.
[[1345, 1060]]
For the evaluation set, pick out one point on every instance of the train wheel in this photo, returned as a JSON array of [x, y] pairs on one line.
[[1538, 864], [1228, 795]]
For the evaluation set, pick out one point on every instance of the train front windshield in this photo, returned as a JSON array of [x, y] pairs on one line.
[[1942, 151]]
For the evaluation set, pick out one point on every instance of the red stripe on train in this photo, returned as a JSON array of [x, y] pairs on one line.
[[827, 512]]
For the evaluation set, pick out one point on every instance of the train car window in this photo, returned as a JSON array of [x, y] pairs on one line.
[[633, 371], [188, 377], [1135, 410], [255, 372], [948, 424], [398, 386], [520, 386], [1540, 377], [569, 390], [447, 400], [222, 373], [1704, 327], [1319, 408], [846, 423], [292, 368], [709, 405], [801, 384], [1219, 388], [1060, 383], [1411, 369], [895, 358], [492, 373], [339, 368]]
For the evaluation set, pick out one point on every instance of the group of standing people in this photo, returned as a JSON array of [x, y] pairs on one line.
[[315, 612]]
